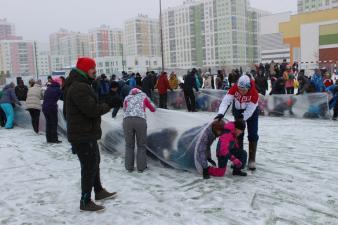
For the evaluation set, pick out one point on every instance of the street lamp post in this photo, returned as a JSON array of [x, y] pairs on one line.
[[122, 49], [161, 31], [36, 61]]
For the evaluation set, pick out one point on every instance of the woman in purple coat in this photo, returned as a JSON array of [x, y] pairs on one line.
[[50, 110]]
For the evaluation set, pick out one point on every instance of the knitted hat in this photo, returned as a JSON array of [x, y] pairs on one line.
[[244, 82], [85, 64]]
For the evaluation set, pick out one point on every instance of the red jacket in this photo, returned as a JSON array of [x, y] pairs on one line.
[[163, 84]]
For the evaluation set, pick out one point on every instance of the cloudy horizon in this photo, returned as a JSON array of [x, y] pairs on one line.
[[46, 17]]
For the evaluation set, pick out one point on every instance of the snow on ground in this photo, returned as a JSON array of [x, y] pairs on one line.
[[296, 183]]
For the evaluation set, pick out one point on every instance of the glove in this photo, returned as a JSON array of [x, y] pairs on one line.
[[237, 163], [212, 162], [206, 173], [219, 117]]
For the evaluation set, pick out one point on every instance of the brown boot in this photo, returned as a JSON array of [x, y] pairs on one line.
[[104, 194], [252, 155], [91, 206]]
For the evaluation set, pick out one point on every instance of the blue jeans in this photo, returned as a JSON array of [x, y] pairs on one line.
[[252, 124]]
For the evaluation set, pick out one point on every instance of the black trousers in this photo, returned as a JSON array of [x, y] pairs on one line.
[[89, 156], [51, 126], [163, 101], [190, 100], [35, 115]]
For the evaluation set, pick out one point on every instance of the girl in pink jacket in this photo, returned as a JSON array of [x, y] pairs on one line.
[[228, 149]]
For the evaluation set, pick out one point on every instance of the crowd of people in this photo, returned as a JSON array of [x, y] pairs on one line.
[[87, 97]]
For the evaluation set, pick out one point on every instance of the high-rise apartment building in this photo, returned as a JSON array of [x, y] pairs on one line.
[[66, 47], [42, 59], [142, 49], [55, 41], [105, 42], [7, 31], [211, 33], [315, 5], [18, 57], [73, 46]]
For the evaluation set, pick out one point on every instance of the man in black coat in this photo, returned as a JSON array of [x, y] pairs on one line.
[[188, 86], [261, 83], [148, 84], [83, 114], [279, 87], [21, 91], [113, 98]]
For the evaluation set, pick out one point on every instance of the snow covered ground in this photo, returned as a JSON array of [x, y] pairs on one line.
[[296, 183]]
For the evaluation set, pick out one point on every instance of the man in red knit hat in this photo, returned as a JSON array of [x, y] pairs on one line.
[[83, 112]]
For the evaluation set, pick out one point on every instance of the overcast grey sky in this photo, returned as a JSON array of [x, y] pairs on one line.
[[36, 19]]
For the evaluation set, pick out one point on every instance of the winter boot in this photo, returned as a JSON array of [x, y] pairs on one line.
[[237, 172], [335, 115], [104, 194], [252, 155], [90, 206]]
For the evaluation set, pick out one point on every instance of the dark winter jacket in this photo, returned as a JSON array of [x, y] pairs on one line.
[[8, 95], [51, 97], [304, 84], [114, 100], [190, 82], [147, 85], [21, 92], [104, 88], [261, 84], [124, 89], [83, 111], [278, 87], [233, 78], [138, 79]]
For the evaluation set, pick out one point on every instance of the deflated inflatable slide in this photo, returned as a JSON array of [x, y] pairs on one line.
[[174, 135]]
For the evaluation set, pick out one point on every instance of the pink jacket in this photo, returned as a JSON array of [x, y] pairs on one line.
[[227, 141]]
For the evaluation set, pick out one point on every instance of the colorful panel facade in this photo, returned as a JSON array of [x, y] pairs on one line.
[[291, 30]]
